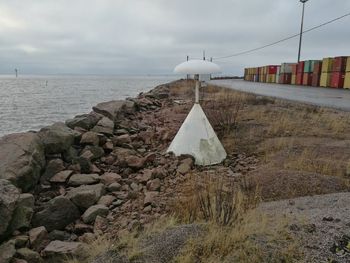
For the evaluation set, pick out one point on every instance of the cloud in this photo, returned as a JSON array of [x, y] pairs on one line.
[[152, 36]]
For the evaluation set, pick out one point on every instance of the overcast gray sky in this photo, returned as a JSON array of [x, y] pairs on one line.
[[152, 36]]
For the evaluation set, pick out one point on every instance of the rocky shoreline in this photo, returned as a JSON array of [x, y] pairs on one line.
[[63, 185]]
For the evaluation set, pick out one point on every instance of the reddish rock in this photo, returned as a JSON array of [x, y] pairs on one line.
[[153, 185], [135, 162], [150, 198], [145, 176], [109, 178], [121, 140], [61, 177], [106, 200], [38, 238], [90, 138]]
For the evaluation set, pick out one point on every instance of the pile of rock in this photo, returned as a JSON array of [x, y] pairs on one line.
[[69, 182]]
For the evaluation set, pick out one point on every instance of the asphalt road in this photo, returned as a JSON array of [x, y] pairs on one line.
[[334, 98]]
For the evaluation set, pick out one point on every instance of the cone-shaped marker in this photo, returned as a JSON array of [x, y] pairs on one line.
[[196, 136]]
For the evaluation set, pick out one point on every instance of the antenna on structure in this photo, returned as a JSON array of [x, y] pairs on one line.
[[16, 72], [203, 54], [196, 136]]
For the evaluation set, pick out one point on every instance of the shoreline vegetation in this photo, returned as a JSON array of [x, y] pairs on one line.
[[100, 188]]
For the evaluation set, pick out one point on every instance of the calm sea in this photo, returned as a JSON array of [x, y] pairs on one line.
[[32, 102]]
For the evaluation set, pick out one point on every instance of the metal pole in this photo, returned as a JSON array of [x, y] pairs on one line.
[[301, 29], [198, 84]]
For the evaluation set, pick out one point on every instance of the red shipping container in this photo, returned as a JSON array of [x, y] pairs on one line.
[[316, 80], [337, 80], [318, 68], [285, 78], [307, 79], [299, 80], [339, 64], [300, 68], [271, 69], [294, 69]]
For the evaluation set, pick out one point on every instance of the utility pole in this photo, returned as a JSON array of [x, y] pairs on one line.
[[16, 72], [203, 54], [301, 28], [188, 76]]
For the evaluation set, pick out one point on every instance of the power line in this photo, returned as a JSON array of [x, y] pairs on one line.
[[282, 40]]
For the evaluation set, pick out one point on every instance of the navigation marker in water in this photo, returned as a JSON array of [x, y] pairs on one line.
[[196, 136]]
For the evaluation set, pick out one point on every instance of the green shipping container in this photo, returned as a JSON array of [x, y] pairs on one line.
[[309, 66]]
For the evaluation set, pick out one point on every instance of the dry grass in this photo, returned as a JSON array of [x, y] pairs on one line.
[[256, 238], [210, 198]]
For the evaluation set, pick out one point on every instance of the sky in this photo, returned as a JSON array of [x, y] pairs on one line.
[[153, 36]]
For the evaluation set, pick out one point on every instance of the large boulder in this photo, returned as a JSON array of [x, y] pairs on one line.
[[21, 159], [29, 255], [23, 213], [7, 251], [57, 214], [57, 138], [86, 195], [9, 195], [113, 109], [105, 126], [58, 251], [92, 212], [85, 121], [53, 167]]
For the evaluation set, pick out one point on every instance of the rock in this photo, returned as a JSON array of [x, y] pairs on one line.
[[106, 200], [114, 187], [109, 178], [23, 213], [58, 251], [58, 213], [21, 241], [153, 185], [90, 138], [38, 237], [61, 177], [113, 109], [92, 212], [92, 152], [145, 176], [83, 179], [84, 164], [86, 195], [85, 121], [18, 260], [81, 228], [185, 166], [21, 159], [59, 235], [87, 238], [7, 251], [57, 138], [149, 198], [105, 126], [9, 195], [70, 155], [53, 167], [108, 146], [135, 162], [121, 140], [29, 255]]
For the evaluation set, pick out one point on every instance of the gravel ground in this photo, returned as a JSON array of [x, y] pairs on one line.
[[321, 222]]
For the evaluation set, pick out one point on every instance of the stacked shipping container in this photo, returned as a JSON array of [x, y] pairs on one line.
[[347, 75], [330, 72]]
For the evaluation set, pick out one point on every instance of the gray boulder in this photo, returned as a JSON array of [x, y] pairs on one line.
[[113, 109], [82, 179], [9, 195], [92, 212], [58, 213], [23, 213], [86, 195], [7, 251], [58, 251], [21, 159], [90, 138], [85, 121], [57, 138], [92, 152], [53, 167], [29, 255], [105, 126]]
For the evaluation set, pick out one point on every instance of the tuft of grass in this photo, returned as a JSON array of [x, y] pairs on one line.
[[257, 238]]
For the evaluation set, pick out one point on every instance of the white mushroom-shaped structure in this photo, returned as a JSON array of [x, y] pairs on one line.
[[196, 136]]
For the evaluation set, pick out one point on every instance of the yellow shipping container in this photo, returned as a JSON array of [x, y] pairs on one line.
[[347, 79], [348, 64], [294, 79], [327, 64], [325, 80], [271, 78]]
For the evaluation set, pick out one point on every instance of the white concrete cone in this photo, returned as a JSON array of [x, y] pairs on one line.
[[196, 137]]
